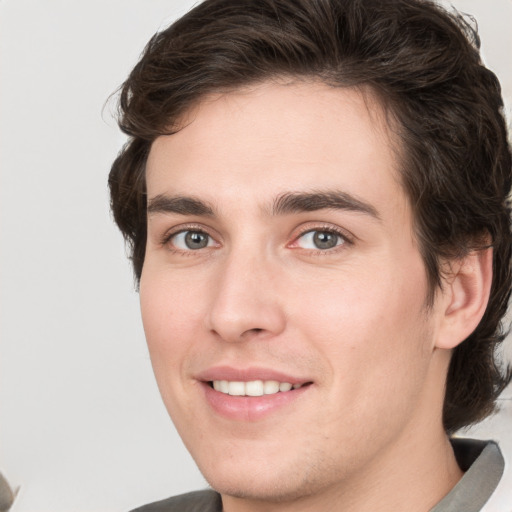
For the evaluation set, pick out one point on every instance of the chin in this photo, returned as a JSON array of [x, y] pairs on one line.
[[265, 484], [270, 492]]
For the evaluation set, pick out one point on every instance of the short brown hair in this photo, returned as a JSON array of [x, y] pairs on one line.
[[424, 64]]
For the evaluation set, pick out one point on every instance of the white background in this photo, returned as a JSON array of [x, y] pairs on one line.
[[82, 427]]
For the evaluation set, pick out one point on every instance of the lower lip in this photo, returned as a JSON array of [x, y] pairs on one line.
[[250, 408]]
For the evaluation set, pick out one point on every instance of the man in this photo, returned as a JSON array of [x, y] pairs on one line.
[[315, 195]]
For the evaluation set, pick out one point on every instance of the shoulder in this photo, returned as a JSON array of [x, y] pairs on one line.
[[197, 501]]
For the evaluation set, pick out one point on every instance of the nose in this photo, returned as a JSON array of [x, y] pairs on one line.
[[245, 300]]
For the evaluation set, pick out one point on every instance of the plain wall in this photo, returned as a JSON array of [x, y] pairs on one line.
[[82, 427]]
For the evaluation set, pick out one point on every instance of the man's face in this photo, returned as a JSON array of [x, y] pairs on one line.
[[281, 251]]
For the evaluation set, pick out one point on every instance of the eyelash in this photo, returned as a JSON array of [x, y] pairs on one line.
[[345, 238], [169, 235]]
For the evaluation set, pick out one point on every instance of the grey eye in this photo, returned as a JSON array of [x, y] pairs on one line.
[[191, 240], [196, 240], [325, 240], [320, 240]]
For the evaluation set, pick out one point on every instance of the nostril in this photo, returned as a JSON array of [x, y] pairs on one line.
[[255, 330]]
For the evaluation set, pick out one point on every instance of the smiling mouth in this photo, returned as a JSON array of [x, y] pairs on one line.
[[254, 387]]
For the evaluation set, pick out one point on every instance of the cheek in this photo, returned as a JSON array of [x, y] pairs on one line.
[[373, 297], [168, 317], [370, 325], [374, 343], [168, 327]]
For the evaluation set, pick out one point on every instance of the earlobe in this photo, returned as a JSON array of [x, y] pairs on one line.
[[465, 297]]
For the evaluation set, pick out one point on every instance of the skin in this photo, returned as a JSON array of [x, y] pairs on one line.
[[351, 320]]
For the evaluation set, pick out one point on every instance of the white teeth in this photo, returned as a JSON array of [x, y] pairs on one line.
[[270, 387], [224, 386], [221, 385], [236, 388], [253, 387]]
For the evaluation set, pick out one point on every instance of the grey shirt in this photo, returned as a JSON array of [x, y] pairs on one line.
[[481, 460], [483, 464]]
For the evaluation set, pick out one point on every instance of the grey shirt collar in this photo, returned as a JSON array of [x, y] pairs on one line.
[[483, 464]]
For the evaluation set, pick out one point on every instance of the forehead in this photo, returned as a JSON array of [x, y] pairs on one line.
[[257, 143]]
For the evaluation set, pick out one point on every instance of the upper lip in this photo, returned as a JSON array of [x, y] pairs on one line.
[[247, 374]]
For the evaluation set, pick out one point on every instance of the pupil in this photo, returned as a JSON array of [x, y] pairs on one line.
[[195, 240], [325, 240]]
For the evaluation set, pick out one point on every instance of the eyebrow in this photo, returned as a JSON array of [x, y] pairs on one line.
[[287, 203], [296, 202], [181, 205]]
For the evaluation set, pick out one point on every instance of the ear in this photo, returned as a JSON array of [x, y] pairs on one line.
[[464, 297]]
